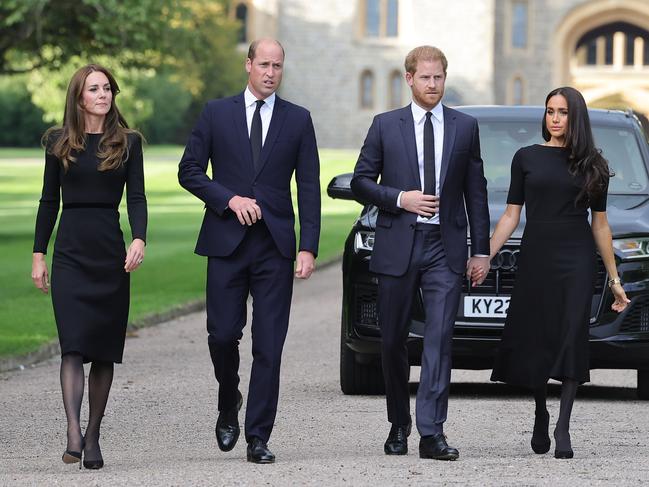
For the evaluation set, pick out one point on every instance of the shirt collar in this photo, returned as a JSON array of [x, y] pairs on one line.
[[419, 114], [250, 99]]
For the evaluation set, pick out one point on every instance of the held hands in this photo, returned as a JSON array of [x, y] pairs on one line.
[[620, 298], [477, 269], [422, 204], [134, 255], [39, 272], [246, 209], [305, 264]]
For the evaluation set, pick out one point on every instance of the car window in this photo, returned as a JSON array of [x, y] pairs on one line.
[[499, 142], [620, 147]]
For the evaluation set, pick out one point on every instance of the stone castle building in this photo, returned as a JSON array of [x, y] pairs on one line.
[[345, 57]]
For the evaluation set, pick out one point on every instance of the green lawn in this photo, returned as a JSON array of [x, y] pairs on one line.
[[172, 274]]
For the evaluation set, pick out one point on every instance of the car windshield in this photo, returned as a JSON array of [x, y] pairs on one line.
[[500, 140]]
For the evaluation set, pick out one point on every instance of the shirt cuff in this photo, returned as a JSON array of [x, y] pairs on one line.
[[399, 199], [480, 255]]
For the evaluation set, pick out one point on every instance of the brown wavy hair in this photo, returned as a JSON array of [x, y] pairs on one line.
[[63, 142], [586, 160]]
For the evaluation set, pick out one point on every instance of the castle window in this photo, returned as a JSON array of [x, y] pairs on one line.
[[367, 89], [381, 18], [519, 23], [517, 91], [599, 46], [396, 87], [241, 14]]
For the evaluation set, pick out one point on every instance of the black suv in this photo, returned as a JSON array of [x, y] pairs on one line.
[[616, 340]]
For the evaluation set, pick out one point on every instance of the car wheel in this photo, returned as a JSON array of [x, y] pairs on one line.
[[356, 377], [643, 384]]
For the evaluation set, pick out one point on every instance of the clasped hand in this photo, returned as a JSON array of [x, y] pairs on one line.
[[415, 201], [477, 269], [246, 209]]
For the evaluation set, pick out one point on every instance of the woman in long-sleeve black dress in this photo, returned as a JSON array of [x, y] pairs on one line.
[[546, 331], [88, 162]]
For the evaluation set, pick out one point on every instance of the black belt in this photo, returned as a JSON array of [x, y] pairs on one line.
[[427, 227], [109, 206]]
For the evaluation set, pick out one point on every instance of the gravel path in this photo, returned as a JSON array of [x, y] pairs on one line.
[[159, 427]]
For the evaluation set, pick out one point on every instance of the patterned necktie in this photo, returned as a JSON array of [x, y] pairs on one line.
[[255, 135]]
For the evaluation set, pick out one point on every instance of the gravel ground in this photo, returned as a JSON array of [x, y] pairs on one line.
[[159, 427]]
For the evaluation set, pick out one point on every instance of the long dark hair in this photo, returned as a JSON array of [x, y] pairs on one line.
[[63, 141], [586, 160]]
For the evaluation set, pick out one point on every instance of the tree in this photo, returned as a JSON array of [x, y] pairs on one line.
[[47, 33]]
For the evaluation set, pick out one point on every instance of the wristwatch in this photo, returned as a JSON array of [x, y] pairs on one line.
[[615, 280]]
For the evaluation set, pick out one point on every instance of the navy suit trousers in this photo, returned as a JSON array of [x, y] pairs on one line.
[[256, 269], [440, 287]]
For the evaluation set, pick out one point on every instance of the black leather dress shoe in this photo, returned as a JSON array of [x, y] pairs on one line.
[[435, 447], [397, 442], [258, 452], [227, 426]]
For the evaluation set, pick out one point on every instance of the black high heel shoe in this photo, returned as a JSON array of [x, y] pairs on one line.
[[540, 436], [566, 447], [70, 456], [93, 464]]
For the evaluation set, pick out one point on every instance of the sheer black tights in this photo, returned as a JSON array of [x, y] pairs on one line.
[[100, 380], [72, 381]]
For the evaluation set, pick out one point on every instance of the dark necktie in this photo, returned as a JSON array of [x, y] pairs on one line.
[[255, 135], [429, 156]]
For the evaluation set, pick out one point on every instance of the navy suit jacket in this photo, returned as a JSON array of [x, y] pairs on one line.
[[390, 151], [221, 136]]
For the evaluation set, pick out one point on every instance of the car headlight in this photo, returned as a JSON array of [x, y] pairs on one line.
[[363, 241], [632, 248]]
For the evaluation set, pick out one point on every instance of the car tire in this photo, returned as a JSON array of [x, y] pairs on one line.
[[643, 384], [358, 377]]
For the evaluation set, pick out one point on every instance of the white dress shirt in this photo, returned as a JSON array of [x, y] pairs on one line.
[[265, 113], [419, 117]]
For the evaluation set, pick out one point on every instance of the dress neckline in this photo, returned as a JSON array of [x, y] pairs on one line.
[[553, 146]]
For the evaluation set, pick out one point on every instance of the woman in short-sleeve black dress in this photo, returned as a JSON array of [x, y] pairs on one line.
[[546, 330], [88, 163]]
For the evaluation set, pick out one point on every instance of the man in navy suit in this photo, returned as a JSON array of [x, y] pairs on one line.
[[256, 142], [431, 180]]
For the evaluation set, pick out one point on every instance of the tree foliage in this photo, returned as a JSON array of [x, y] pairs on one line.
[[169, 56]]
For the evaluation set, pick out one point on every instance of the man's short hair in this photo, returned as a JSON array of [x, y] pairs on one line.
[[253, 47], [424, 53]]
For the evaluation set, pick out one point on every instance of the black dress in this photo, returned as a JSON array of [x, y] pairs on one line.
[[90, 289], [546, 330]]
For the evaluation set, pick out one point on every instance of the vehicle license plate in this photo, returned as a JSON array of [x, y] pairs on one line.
[[486, 306]]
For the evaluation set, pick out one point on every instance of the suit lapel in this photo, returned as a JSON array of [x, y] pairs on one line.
[[449, 141], [241, 128], [276, 123], [410, 142]]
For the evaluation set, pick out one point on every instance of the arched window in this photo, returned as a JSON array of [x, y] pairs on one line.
[[599, 46], [396, 87], [241, 14], [367, 89], [380, 18], [518, 97]]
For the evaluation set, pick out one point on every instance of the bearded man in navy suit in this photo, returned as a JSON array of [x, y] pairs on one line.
[[255, 142], [431, 185]]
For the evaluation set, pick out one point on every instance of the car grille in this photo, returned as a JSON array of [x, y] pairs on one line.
[[366, 313], [502, 275], [637, 318]]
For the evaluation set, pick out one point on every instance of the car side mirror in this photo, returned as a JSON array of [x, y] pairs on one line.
[[339, 187]]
